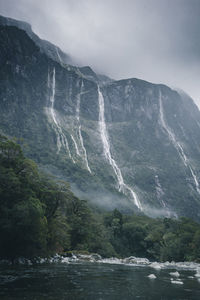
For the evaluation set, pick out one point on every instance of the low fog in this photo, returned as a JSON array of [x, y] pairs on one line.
[[155, 40]]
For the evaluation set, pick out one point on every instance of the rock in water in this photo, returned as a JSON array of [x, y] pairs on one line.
[[174, 274], [152, 276]]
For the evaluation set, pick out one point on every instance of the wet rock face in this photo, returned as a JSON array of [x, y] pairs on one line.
[[45, 47], [151, 133]]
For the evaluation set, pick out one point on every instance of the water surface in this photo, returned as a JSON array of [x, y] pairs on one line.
[[95, 281]]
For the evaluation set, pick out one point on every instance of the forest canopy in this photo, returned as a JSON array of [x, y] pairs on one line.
[[40, 216]]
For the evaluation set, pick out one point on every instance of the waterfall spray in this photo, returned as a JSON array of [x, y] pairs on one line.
[[122, 187], [79, 130], [61, 138], [176, 144]]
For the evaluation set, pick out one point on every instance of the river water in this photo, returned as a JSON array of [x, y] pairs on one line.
[[93, 280]]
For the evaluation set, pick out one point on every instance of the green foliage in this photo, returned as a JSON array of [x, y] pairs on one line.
[[157, 239], [39, 216], [30, 221]]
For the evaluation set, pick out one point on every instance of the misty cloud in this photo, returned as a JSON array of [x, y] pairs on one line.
[[156, 40]]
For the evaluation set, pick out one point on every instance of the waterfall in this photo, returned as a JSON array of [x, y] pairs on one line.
[[52, 100], [58, 55], [61, 138], [122, 187], [79, 130], [176, 144], [84, 150], [195, 180], [76, 146], [159, 191]]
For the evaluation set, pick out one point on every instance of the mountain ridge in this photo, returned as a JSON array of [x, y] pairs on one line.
[[131, 134], [45, 46]]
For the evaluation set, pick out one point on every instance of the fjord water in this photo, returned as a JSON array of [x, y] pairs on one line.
[[85, 280]]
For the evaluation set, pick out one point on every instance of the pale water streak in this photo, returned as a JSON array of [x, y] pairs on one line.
[[76, 146], [176, 144], [58, 55], [79, 130], [61, 138], [84, 150], [159, 191], [122, 187]]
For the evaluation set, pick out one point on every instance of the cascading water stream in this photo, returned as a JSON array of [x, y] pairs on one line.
[[79, 131], [176, 144], [159, 191], [60, 60], [122, 187], [75, 145], [61, 138]]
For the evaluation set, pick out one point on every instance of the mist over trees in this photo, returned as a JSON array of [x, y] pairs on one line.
[[39, 217]]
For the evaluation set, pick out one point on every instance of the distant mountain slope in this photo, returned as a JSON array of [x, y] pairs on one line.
[[54, 52], [46, 47], [128, 144]]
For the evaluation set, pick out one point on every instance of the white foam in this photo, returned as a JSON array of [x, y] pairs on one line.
[[65, 260], [136, 260], [174, 274], [112, 260], [176, 281], [152, 276], [156, 265], [197, 273]]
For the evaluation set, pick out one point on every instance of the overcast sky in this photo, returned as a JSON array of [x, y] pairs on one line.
[[155, 40]]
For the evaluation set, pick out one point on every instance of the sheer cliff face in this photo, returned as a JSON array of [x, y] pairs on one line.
[[128, 144], [45, 47]]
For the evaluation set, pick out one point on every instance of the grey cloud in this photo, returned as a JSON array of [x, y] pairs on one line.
[[156, 40]]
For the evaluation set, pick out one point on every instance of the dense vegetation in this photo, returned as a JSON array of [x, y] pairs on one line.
[[39, 216], [158, 239]]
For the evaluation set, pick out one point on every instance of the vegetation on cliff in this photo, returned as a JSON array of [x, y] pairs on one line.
[[39, 217]]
